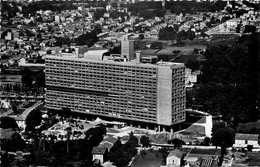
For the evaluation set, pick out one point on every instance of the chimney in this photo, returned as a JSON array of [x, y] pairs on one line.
[[77, 51], [138, 56], [57, 50]]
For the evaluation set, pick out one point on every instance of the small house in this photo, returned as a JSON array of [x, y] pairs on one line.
[[202, 158], [99, 154], [108, 142], [243, 140], [175, 157]]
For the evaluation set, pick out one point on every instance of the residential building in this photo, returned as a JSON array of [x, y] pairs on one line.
[[99, 154], [108, 142], [243, 140], [110, 86], [175, 158], [202, 158]]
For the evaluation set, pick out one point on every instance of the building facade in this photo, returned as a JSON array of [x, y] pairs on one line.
[[149, 93]]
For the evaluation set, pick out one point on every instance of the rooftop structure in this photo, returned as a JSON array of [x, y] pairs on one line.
[[127, 48]]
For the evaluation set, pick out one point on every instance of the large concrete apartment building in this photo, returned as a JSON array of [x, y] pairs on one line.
[[114, 87]]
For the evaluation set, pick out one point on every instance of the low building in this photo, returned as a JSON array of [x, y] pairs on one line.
[[202, 158], [99, 154], [20, 120], [108, 142], [243, 140], [175, 158]]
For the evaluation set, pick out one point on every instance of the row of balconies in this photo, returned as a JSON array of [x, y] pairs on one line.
[[105, 111]]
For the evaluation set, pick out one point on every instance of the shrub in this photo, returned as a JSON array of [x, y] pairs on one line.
[[249, 147]]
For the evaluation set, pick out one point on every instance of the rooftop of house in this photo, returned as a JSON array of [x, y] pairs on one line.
[[177, 153], [242, 136], [207, 157], [205, 151], [106, 145], [99, 150], [109, 139]]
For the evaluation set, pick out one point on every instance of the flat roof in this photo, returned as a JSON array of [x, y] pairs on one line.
[[74, 57]]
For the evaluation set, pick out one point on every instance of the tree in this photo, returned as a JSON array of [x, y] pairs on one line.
[[122, 154], [27, 78], [5, 159], [217, 126], [43, 158], [95, 135], [177, 142], [196, 51], [249, 147], [88, 39], [141, 37], [40, 79], [65, 112], [193, 65], [98, 28], [133, 141], [229, 81], [33, 119], [117, 145], [224, 138], [144, 140], [98, 14], [15, 143], [69, 133], [206, 141], [8, 123], [14, 108], [142, 153]]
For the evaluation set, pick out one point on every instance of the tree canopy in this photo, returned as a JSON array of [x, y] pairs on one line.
[[7, 122], [15, 143], [145, 141], [33, 119], [122, 154], [88, 39], [228, 84], [224, 138]]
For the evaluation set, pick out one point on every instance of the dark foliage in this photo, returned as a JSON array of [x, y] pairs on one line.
[[177, 142], [33, 119], [249, 147], [15, 143], [122, 154], [7, 122], [88, 39], [217, 126], [224, 138], [206, 141], [27, 78], [31, 8], [145, 141], [228, 84], [98, 14], [193, 65]]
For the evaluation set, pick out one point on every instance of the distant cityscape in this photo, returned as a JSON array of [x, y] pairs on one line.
[[129, 83]]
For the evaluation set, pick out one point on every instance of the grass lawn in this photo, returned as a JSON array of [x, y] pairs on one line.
[[253, 159], [150, 160], [250, 159]]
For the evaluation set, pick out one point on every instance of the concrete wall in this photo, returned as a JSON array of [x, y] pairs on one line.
[[99, 157], [164, 96], [173, 160]]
